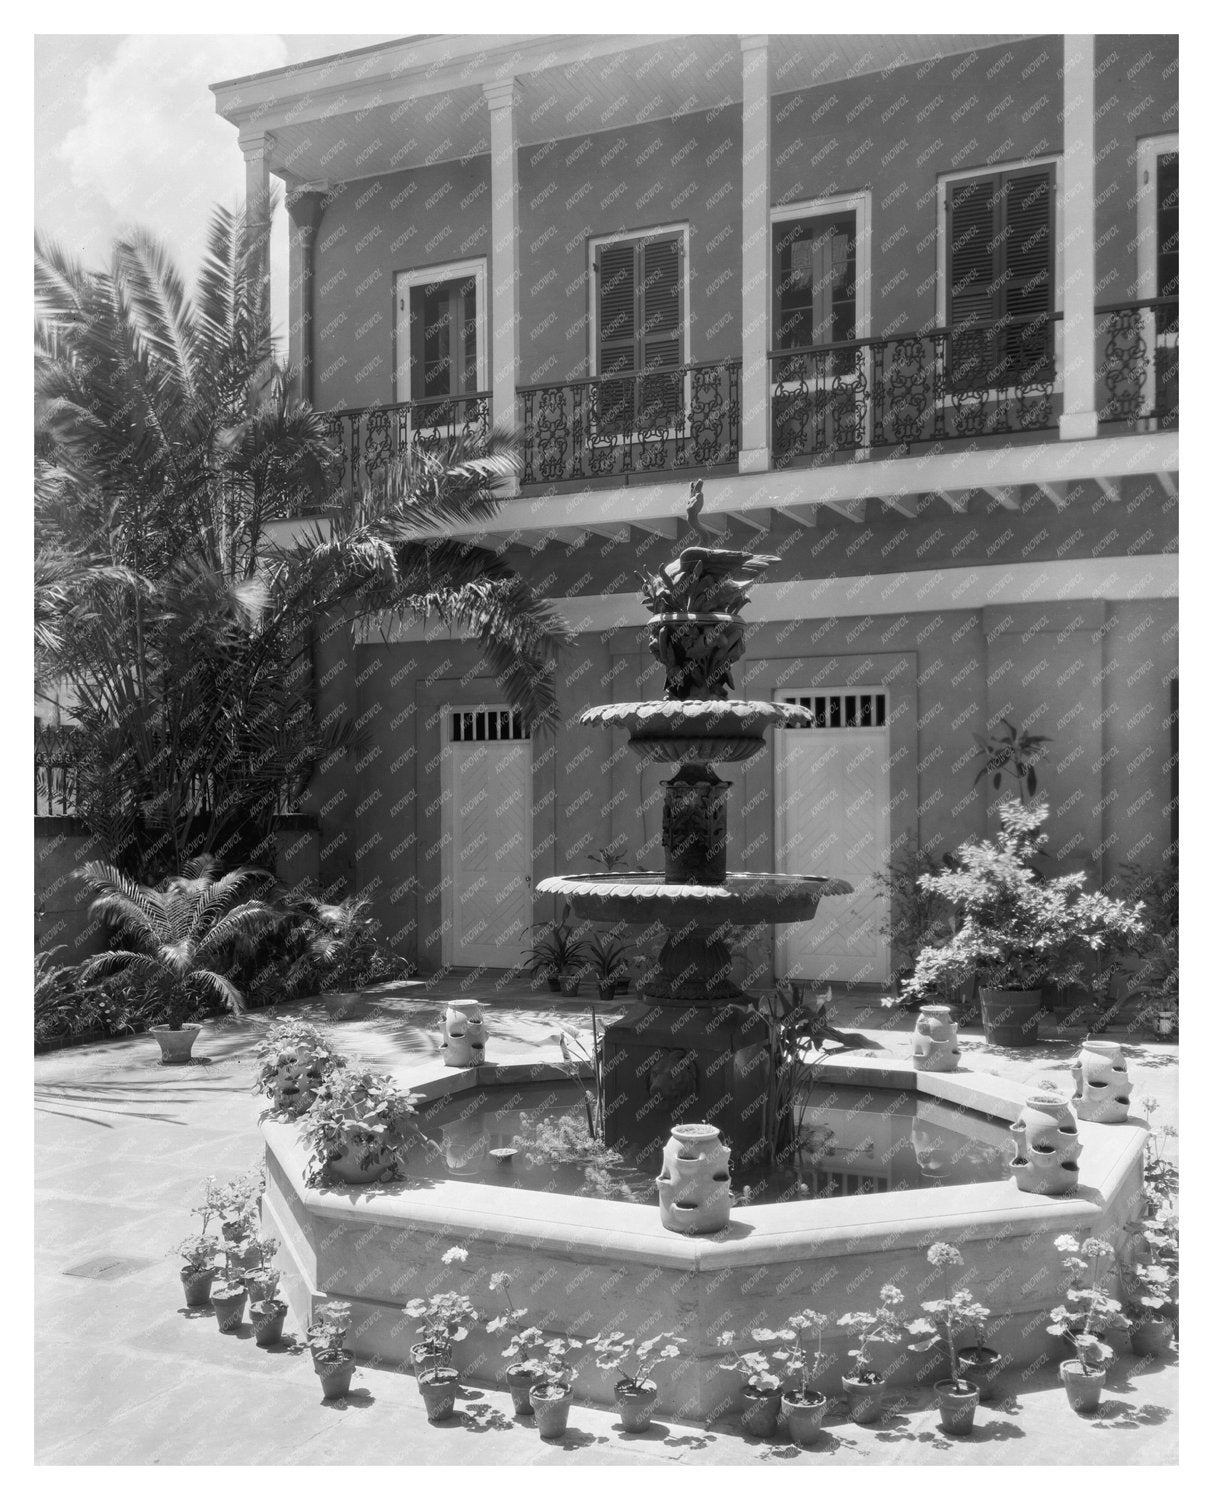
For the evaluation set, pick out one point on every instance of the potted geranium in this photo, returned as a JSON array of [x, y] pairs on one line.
[[523, 1368], [1152, 1289], [199, 1253], [1018, 929], [761, 1392], [237, 1205], [356, 1128], [267, 1311], [331, 1360], [552, 1392], [635, 1390], [230, 1293], [946, 1316], [804, 1405], [1087, 1315], [863, 1385], [295, 1060], [979, 1362], [445, 1318]]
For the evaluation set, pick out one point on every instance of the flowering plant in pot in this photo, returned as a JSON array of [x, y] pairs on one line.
[[1152, 1289], [295, 1060], [230, 1293], [356, 1128], [863, 1384], [199, 1254], [1088, 1314], [524, 1367], [266, 1310], [331, 1360], [635, 1390], [803, 1405], [445, 1318], [552, 1392], [761, 1392], [237, 1206], [1018, 929], [946, 1316]]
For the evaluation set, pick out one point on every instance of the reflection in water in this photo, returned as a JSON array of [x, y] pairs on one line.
[[851, 1141]]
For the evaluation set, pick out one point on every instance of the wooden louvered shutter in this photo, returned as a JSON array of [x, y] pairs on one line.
[[1026, 274], [618, 330], [660, 333], [972, 279]]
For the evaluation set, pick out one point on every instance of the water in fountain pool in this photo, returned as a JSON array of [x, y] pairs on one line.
[[850, 1141]]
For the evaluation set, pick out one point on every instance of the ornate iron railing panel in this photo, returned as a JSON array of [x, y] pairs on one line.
[[55, 756], [1137, 363], [835, 402], [685, 417], [367, 439]]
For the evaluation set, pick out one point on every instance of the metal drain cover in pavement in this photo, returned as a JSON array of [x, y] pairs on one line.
[[108, 1267]]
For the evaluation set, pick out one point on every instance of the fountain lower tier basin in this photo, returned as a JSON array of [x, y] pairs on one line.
[[581, 1265], [744, 900]]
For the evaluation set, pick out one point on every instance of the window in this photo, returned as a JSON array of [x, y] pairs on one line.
[[1167, 271], [1000, 278], [640, 331], [1157, 323], [441, 352], [814, 280]]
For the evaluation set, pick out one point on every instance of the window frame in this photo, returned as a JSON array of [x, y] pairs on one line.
[[859, 203], [1149, 149], [403, 283], [681, 232]]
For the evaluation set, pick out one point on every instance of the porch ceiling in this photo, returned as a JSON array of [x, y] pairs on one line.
[[419, 101]]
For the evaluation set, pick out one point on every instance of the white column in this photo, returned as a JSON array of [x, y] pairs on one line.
[[503, 99], [1077, 228], [755, 254], [257, 148]]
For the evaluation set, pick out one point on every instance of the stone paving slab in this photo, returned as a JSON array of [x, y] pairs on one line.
[[125, 1375]]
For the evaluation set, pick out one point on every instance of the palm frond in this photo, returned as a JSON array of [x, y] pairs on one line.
[[138, 911]]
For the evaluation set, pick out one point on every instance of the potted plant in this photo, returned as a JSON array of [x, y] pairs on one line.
[[635, 1390], [445, 1318], [804, 1406], [863, 1385], [1088, 1313], [1152, 1290], [980, 1363], [237, 1204], [608, 963], [523, 1369], [552, 1392], [178, 934], [199, 1253], [1017, 928], [230, 1293], [331, 1360], [356, 1128], [295, 1060], [946, 1316], [917, 917], [557, 954], [761, 1392], [260, 1276]]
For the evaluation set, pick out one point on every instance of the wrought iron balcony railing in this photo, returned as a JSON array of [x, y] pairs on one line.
[[1137, 363], [685, 417], [834, 402], [55, 757], [369, 438]]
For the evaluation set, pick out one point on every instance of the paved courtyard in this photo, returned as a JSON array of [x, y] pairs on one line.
[[124, 1375]]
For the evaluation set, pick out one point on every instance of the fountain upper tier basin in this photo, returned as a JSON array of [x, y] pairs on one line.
[[698, 729], [743, 899]]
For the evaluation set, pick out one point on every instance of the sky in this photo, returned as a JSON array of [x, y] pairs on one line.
[[125, 134]]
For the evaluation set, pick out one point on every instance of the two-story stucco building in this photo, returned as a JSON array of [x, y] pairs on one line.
[[907, 304]]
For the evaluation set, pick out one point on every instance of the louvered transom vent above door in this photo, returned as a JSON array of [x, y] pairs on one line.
[[640, 330], [1000, 238], [855, 708], [483, 724]]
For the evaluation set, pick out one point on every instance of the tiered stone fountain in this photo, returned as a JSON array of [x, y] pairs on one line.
[[693, 1048]]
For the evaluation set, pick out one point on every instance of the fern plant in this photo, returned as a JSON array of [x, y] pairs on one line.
[[179, 933]]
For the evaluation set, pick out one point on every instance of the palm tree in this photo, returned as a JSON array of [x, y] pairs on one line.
[[177, 931], [168, 442]]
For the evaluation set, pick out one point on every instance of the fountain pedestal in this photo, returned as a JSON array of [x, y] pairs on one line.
[[668, 1065]]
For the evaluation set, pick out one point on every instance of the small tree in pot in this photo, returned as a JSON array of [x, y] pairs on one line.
[[760, 1393], [863, 1385], [1087, 1315], [804, 1406], [636, 1390], [331, 1360], [946, 1316]]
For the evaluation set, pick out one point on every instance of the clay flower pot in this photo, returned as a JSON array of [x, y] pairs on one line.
[[957, 1405], [438, 1389], [551, 1403], [335, 1376], [693, 1186], [463, 1034], [267, 1317], [197, 1285], [760, 1413], [936, 1046], [1101, 1083], [636, 1403], [428, 1353], [1046, 1146], [804, 1412], [176, 1044], [1152, 1336], [520, 1380], [1010, 1017], [981, 1367], [228, 1302], [865, 1398], [570, 984], [1083, 1390]]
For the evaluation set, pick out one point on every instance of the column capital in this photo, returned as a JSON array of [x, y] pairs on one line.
[[753, 43], [306, 204], [505, 94], [258, 144]]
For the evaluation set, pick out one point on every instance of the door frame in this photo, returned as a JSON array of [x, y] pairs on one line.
[[783, 694], [450, 747], [404, 282]]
